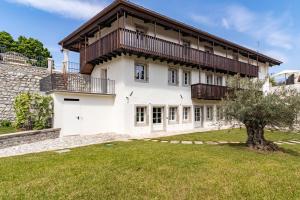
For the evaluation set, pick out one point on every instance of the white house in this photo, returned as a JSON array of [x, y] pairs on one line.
[[143, 73]]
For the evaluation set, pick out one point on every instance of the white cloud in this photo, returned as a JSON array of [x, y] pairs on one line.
[[76, 9], [268, 28], [201, 19]]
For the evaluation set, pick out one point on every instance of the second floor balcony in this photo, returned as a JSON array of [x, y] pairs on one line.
[[132, 42], [208, 92]]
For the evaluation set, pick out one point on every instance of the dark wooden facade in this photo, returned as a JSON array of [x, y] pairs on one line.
[[208, 92], [127, 41]]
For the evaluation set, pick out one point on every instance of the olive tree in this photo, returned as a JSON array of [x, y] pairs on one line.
[[247, 104]]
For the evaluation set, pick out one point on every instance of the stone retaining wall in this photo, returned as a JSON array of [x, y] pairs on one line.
[[15, 79], [27, 137]]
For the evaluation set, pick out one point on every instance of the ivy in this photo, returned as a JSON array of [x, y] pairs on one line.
[[33, 111]]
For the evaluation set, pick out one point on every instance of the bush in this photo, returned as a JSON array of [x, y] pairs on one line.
[[33, 111], [5, 123]]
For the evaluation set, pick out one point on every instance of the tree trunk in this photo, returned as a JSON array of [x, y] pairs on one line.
[[256, 139]]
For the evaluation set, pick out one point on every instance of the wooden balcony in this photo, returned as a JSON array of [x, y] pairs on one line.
[[77, 83], [208, 92], [127, 41]]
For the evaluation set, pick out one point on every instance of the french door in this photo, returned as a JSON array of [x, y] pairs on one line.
[[157, 118], [198, 116]]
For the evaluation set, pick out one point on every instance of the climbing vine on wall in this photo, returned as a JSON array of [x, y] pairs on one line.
[[33, 111]]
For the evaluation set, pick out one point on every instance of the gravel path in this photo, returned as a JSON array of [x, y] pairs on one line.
[[61, 143]]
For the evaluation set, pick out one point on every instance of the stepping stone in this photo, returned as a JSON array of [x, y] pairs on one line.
[[164, 141], [234, 142], [279, 143], [289, 143], [146, 139], [62, 151], [186, 142], [175, 142], [222, 142], [294, 141], [198, 142], [211, 142], [154, 140]]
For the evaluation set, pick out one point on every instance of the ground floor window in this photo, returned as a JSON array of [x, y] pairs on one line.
[[141, 115], [157, 115], [186, 114], [209, 113], [173, 114]]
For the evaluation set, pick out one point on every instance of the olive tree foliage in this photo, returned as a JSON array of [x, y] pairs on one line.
[[33, 111], [246, 103]]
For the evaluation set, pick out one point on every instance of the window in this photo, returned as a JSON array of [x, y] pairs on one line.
[[186, 114], [141, 115], [157, 115], [208, 49], [141, 72], [209, 79], [186, 78], [172, 114], [235, 56], [219, 113], [219, 80], [141, 31], [173, 76], [209, 113], [186, 45]]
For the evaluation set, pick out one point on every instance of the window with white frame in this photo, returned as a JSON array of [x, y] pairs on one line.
[[186, 114], [173, 114], [173, 76], [141, 115], [141, 72], [186, 78], [209, 113], [219, 113], [219, 80], [209, 79], [157, 113]]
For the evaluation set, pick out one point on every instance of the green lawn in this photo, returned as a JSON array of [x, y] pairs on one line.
[[4, 130], [153, 170]]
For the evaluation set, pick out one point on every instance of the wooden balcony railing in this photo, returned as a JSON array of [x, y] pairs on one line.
[[78, 83], [123, 40], [208, 92]]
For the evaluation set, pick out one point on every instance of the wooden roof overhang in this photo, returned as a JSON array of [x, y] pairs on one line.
[[108, 15]]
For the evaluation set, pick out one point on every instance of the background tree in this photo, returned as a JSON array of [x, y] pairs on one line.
[[247, 104], [29, 47], [6, 40]]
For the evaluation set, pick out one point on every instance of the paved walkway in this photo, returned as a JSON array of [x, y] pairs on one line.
[[289, 142], [61, 143]]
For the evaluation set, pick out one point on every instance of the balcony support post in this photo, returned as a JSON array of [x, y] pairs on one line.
[[155, 33], [198, 43], [66, 60], [118, 32]]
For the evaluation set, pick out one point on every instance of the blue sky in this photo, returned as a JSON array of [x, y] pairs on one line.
[[269, 26]]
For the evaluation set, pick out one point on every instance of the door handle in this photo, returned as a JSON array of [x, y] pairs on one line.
[[77, 117]]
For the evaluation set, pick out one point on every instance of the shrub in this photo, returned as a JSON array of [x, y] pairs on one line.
[[33, 111], [5, 123]]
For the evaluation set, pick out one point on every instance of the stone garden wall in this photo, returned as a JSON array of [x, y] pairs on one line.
[[26, 137], [15, 79]]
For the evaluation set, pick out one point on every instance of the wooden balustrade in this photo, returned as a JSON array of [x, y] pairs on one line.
[[208, 92], [127, 41]]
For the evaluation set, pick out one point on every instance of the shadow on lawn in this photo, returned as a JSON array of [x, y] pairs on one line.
[[281, 150]]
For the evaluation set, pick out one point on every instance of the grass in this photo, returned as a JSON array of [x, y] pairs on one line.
[[152, 170], [4, 130]]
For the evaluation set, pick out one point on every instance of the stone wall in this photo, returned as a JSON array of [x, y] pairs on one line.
[[14, 80], [27, 137]]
